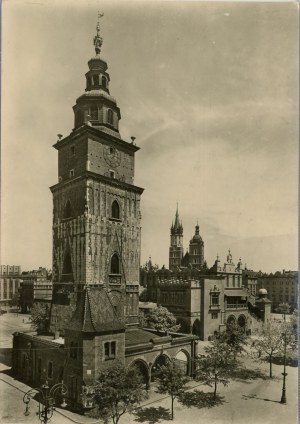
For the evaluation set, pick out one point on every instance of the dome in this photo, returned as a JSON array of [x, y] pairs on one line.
[[262, 291]]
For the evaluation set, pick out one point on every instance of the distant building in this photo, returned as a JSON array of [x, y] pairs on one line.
[[282, 287], [10, 279], [36, 287]]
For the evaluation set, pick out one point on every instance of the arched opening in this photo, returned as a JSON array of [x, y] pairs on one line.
[[242, 322], [115, 264], [160, 361], [68, 210], [115, 210], [196, 330], [104, 82], [110, 117], [142, 369], [94, 113], [231, 320], [182, 361], [96, 79], [67, 273]]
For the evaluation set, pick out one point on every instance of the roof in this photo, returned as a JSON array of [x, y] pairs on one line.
[[236, 293], [137, 336], [95, 313]]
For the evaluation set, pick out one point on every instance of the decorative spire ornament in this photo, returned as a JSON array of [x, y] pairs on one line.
[[98, 40]]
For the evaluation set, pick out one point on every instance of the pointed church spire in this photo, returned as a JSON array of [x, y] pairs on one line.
[[177, 227], [98, 40]]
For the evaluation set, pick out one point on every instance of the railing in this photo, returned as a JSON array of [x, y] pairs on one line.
[[236, 305]]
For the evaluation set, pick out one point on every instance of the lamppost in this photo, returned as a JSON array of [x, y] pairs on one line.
[[46, 399], [284, 308]]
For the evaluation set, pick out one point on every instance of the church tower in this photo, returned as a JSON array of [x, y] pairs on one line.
[[96, 206], [196, 250], [176, 244]]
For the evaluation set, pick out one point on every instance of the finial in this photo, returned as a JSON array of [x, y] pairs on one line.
[[98, 40]]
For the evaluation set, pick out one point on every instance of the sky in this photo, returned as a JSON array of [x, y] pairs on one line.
[[209, 90]]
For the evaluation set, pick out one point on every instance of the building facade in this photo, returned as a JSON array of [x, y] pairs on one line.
[[10, 279], [96, 258]]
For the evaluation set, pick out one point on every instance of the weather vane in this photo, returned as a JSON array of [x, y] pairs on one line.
[[98, 40]]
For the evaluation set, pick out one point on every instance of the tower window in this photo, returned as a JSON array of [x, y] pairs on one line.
[[94, 113], [110, 117], [104, 82], [68, 210], [89, 82], [71, 173], [109, 350], [115, 264], [115, 210], [73, 150], [79, 117], [96, 79], [112, 174]]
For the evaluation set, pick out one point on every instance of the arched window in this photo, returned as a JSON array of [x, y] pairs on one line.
[[67, 266], [110, 117], [115, 264], [94, 113], [68, 210], [103, 79], [115, 210], [96, 79]]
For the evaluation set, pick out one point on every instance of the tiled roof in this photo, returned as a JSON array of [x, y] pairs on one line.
[[138, 336], [95, 313]]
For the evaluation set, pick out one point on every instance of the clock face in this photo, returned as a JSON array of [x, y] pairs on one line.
[[112, 156]]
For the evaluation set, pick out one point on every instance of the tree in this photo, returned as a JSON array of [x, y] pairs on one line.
[[119, 389], [270, 342], [214, 367], [15, 300], [40, 315], [235, 337], [162, 320], [171, 380]]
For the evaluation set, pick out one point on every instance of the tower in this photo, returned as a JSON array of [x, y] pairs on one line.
[[176, 243], [196, 250], [96, 206]]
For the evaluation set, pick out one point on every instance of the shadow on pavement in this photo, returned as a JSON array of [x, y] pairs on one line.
[[200, 399], [246, 397], [242, 373], [152, 414], [5, 356]]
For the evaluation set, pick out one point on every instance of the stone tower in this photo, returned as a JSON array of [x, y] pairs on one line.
[[196, 250], [96, 206], [176, 243]]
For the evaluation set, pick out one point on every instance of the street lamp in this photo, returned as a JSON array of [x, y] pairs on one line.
[[46, 399], [284, 308]]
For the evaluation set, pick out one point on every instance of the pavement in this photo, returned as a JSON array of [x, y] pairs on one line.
[[246, 401]]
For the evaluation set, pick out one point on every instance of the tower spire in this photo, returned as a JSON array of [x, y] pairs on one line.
[[98, 40]]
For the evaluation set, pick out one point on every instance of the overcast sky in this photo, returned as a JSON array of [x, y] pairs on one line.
[[209, 90]]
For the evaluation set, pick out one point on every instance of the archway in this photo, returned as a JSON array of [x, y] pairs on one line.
[[231, 320], [182, 360], [196, 330], [143, 370], [242, 322], [160, 361]]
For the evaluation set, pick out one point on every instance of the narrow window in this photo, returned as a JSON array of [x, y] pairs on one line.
[[96, 79], [113, 349], [68, 210], [94, 113], [89, 82], [115, 210], [110, 117], [106, 350], [103, 79], [214, 315], [71, 173], [50, 370], [73, 150], [112, 174], [114, 264]]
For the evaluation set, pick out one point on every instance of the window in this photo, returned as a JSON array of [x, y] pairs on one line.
[[103, 79], [73, 150], [71, 173], [79, 117], [110, 117], [68, 210], [215, 299], [114, 264], [89, 82], [214, 315], [112, 174], [50, 370], [115, 210], [109, 350], [96, 79], [94, 113]]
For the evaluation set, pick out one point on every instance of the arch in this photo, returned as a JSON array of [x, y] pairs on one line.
[[104, 81], [159, 361], [143, 370], [110, 117], [115, 210], [182, 358], [242, 321], [115, 264], [96, 79], [94, 113], [67, 272], [68, 213], [231, 319], [196, 329]]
